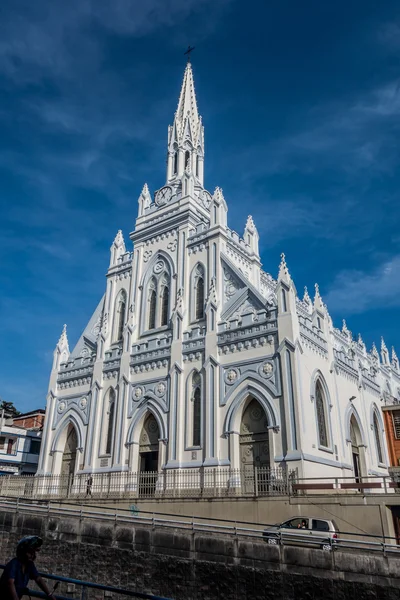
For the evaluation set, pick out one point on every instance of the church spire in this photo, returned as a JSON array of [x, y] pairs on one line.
[[61, 352], [186, 135]]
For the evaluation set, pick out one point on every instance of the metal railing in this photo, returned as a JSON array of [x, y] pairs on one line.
[[173, 483], [87, 585], [371, 484], [345, 540]]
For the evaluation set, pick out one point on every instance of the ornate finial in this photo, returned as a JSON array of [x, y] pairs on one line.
[[374, 351], [316, 286], [383, 345], [250, 226], [63, 341], [218, 194], [283, 269], [306, 297], [395, 360], [119, 238], [188, 53]]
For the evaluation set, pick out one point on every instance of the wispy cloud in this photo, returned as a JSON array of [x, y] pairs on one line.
[[355, 292]]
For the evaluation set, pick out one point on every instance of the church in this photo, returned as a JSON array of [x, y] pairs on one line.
[[196, 358]]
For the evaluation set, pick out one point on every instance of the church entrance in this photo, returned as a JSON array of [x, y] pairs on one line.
[[355, 436], [148, 457], [254, 448], [68, 463]]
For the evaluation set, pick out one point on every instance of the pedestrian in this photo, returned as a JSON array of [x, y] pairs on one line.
[[20, 570], [89, 484]]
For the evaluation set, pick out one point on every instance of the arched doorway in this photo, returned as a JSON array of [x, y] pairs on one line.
[[68, 463], [356, 448], [254, 446], [148, 456]]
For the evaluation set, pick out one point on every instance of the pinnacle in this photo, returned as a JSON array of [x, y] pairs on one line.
[[187, 105], [283, 269], [250, 223], [119, 239], [63, 341], [383, 345], [145, 189], [306, 297]]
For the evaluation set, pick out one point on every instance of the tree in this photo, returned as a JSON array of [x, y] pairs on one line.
[[9, 409]]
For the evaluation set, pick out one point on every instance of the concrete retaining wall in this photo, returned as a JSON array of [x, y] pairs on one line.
[[193, 566]]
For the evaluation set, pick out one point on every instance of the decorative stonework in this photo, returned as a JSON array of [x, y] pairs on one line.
[[159, 267], [231, 376], [231, 284], [137, 393], [160, 389], [172, 245], [266, 369], [61, 407], [83, 402], [147, 255]]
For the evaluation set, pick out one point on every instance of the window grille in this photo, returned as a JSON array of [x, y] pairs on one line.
[[396, 423], [35, 447], [377, 439], [321, 417]]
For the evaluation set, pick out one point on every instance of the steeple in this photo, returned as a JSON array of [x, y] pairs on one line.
[[61, 352], [117, 249], [186, 135]]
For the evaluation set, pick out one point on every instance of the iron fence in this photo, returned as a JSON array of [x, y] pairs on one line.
[[172, 483]]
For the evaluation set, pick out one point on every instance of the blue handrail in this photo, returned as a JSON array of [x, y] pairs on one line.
[[89, 584]]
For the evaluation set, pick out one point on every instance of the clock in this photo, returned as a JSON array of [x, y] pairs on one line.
[[206, 199], [163, 196]]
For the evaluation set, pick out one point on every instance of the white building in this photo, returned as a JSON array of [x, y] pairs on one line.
[[19, 450], [197, 357]]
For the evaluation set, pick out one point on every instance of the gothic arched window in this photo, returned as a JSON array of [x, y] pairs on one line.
[[377, 438], [200, 298], [196, 441], [110, 423], [175, 162], [197, 165], [152, 306], [321, 416], [187, 158], [119, 320], [164, 305]]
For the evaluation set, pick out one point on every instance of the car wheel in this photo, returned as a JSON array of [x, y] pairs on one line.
[[326, 546], [273, 541]]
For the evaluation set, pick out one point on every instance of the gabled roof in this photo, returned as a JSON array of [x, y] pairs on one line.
[[88, 338]]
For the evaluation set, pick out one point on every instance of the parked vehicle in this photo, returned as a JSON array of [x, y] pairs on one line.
[[304, 531]]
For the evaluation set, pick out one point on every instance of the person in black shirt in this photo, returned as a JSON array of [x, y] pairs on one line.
[[20, 570]]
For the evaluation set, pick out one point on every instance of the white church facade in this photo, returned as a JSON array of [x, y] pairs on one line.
[[196, 358]]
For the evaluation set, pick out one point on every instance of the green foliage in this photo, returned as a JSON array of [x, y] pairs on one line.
[[9, 409]]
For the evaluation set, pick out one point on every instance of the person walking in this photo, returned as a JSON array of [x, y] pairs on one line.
[[21, 569], [89, 484]]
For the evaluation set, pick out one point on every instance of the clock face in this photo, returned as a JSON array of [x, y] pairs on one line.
[[163, 196], [206, 198]]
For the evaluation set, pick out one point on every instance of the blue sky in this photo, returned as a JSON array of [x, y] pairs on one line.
[[301, 107]]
